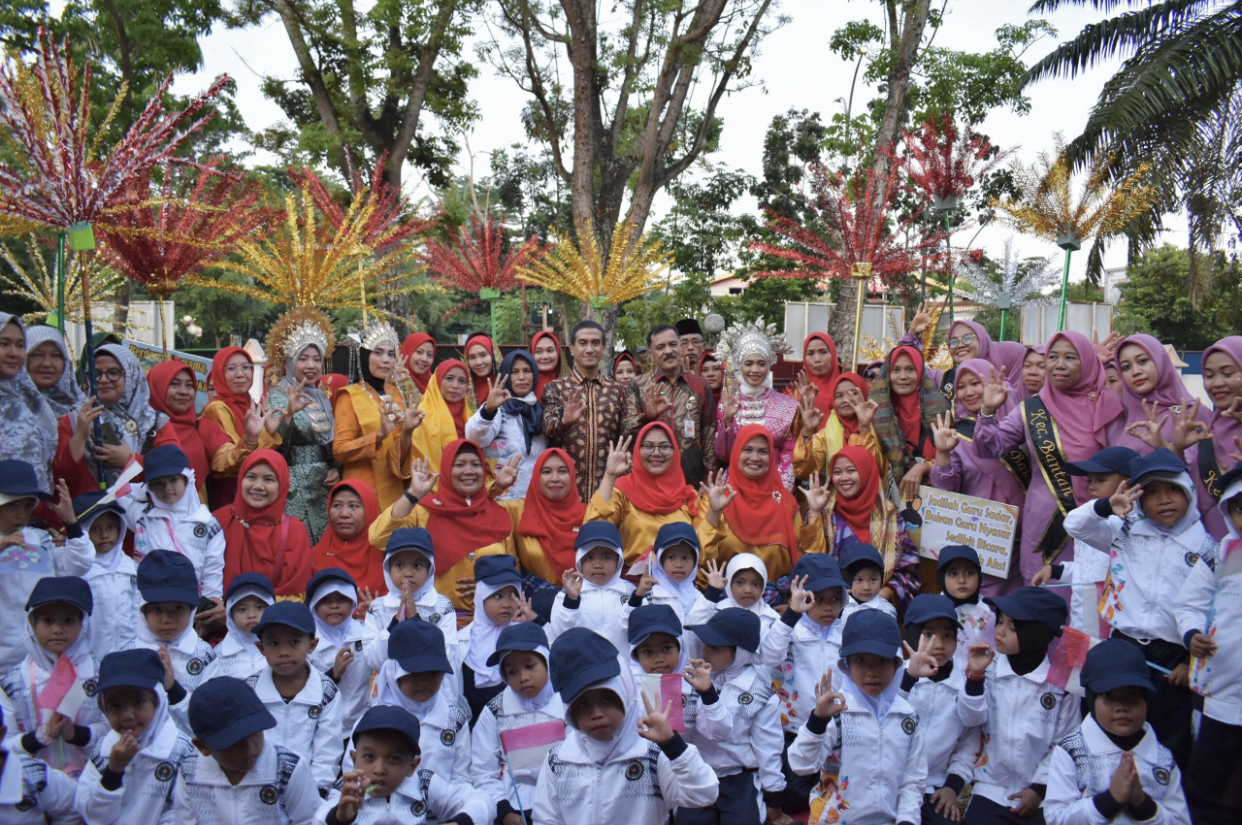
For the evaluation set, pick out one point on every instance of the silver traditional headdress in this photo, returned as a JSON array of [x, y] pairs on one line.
[[378, 331], [303, 334], [741, 340]]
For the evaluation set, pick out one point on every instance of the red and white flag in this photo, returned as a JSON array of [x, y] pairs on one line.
[[665, 691], [526, 748], [1068, 654]]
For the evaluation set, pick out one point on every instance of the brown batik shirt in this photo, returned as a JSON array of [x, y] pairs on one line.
[[692, 417], [587, 439]]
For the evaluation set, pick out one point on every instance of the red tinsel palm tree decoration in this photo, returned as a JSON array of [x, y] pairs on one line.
[[389, 225], [474, 260]]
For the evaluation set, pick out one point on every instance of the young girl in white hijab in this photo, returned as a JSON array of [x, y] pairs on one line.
[[595, 595], [410, 568], [741, 584], [669, 578], [111, 577], [238, 654], [604, 772], [497, 602], [333, 598]]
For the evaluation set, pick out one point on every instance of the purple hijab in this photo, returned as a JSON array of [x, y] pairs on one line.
[[1010, 355], [981, 369], [1168, 394], [987, 350], [1225, 429]]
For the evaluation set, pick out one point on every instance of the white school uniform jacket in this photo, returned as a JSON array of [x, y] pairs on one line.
[[441, 613], [701, 610], [640, 784], [309, 723], [279, 790], [116, 610], [1083, 765], [491, 772], [755, 740], [1087, 567], [354, 686], [234, 660], [74, 558], [503, 437], [146, 792], [31, 793], [1211, 603], [190, 657], [1023, 717], [17, 701], [602, 609], [443, 738], [187, 528], [425, 797], [799, 658], [1146, 569], [880, 766], [950, 747], [852, 606]]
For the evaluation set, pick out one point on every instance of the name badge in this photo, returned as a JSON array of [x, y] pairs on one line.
[[689, 429]]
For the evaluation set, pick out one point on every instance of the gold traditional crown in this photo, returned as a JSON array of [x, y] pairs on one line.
[[305, 334], [294, 330], [741, 340], [376, 332]]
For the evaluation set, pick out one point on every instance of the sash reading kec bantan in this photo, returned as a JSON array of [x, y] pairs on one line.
[[1042, 431]]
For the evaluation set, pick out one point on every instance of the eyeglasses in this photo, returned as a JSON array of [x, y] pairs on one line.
[[965, 339], [650, 449], [109, 375]]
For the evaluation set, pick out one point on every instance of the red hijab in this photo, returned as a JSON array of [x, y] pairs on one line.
[[238, 403], [554, 523], [662, 494], [857, 510], [413, 342], [265, 541], [908, 408], [848, 425], [458, 525], [356, 555], [199, 439], [762, 512], [457, 409], [545, 378], [480, 384], [826, 384]]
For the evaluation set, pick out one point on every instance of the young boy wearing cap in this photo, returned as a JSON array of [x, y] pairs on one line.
[[19, 495], [237, 654], [1023, 715], [112, 577], [931, 684], [1153, 535], [498, 601], [342, 650], [747, 761], [670, 574], [1112, 768], [31, 793], [304, 702], [800, 648], [132, 770], [1105, 472], [166, 513], [516, 729], [388, 786], [604, 772], [875, 785], [595, 595], [1209, 617], [410, 571], [237, 776], [58, 667], [862, 567]]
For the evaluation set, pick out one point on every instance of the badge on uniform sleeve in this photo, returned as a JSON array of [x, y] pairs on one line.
[[1191, 559], [268, 794], [434, 618], [745, 699], [1161, 774], [447, 738], [200, 531], [909, 725], [89, 687], [194, 667], [418, 807], [358, 644], [1048, 701], [634, 771], [164, 771]]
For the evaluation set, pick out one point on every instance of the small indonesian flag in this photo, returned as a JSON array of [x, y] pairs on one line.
[[526, 748], [661, 690], [60, 683], [641, 564], [122, 487], [1068, 654]]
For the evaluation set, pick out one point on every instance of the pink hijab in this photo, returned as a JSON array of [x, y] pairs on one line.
[[1084, 411], [1224, 429], [1010, 355], [1169, 392]]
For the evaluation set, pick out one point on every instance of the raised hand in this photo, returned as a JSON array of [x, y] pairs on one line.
[[1149, 430], [945, 436], [719, 494], [817, 494], [800, 599], [979, 657], [698, 675], [388, 418], [252, 425], [654, 726], [299, 400], [575, 406], [715, 575], [271, 418], [1188, 430], [921, 321], [408, 606], [352, 796], [657, 401], [921, 663], [995, 392], [365, 597], [422, 480], [526, 610], [497, 395], [730, 404], [123, 752], [62, 505], [1234, 410], [170, 675], [1106, 350], [572, 581], [507, 473], [87, 413], [412, 419], [343, 657], [619, 459], [865, 412], [1121, 787], [647, 581], [828, 702], [806, 390], [810, 414], [1123, 500]]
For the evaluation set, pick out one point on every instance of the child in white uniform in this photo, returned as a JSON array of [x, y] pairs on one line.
[[595, 595], [333, 598], [604, 772], [670, 574], [248, 595], [742, 584], [410, 567], [961, 574], [170, 597], [497, 603], [862, 567], [113, 577], [31, 793]]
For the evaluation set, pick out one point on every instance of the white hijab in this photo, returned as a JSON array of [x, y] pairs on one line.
[[79, 653], [184, 507], [855, 697], [747, 561], [683, 591], [682, 658], [114, 559], [1233, 539], [389, 692], [238, 642], [427, 595], [152, 733], [336, 635], [742, 660], [625, 739], [186, 642], [545, 695], [484, 633], [1189, 531]]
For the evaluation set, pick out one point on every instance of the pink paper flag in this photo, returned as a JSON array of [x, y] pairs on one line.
[[526, 748], [662, 689], [62, 679], [1068, 654]]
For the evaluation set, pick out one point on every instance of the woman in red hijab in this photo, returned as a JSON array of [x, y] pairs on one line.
[[639, 503], [819, 373], [352, 508], [549, 517], [173, 390], [855, 509], [480, 356], [908, 401], [848, 423], [232, 373], [258, 536], [546, 348], [419, 354]]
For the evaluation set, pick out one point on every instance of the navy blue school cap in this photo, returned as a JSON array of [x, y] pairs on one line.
[[1033, 604], [418, 646], [1107, 460], [731, 627], [676, 532], [821, 570], [497, 571], [598, 533], [18, 480], [256, 580], [871, 631], [581, 658], [137, 668], [928, 606], [653, 618], [390, 718], [326, 575], [163, 462], [411, 538], [518, 636], [287, 614], [1113, 664], [857, 553], [86, 501], [1163, 460], [224, 711], [69, 589], [542, 601], [165, 576], [952, 552], [1230, 477]]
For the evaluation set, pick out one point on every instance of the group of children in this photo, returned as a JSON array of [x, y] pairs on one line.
[[625, 703]]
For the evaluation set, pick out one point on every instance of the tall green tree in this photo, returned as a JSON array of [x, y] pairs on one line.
[[1154, 299]]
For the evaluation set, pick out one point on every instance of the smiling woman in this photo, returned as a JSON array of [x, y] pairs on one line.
[[352, 509], [1149, 378]]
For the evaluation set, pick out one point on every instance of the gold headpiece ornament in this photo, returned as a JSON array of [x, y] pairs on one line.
[[741, 340], [296, 329], [376, 332]]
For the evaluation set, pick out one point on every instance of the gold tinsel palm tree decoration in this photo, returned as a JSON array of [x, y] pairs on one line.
[[37, 283], [633, 268], [1046, 206]]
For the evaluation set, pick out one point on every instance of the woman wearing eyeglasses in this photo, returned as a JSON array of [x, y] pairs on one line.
[[129, 426], [644, 490]]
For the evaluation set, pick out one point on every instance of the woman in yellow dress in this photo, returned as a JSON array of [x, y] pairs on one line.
[[848, 423], [446, 411]]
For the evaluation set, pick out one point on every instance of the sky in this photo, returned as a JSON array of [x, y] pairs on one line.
[[797, 69]]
